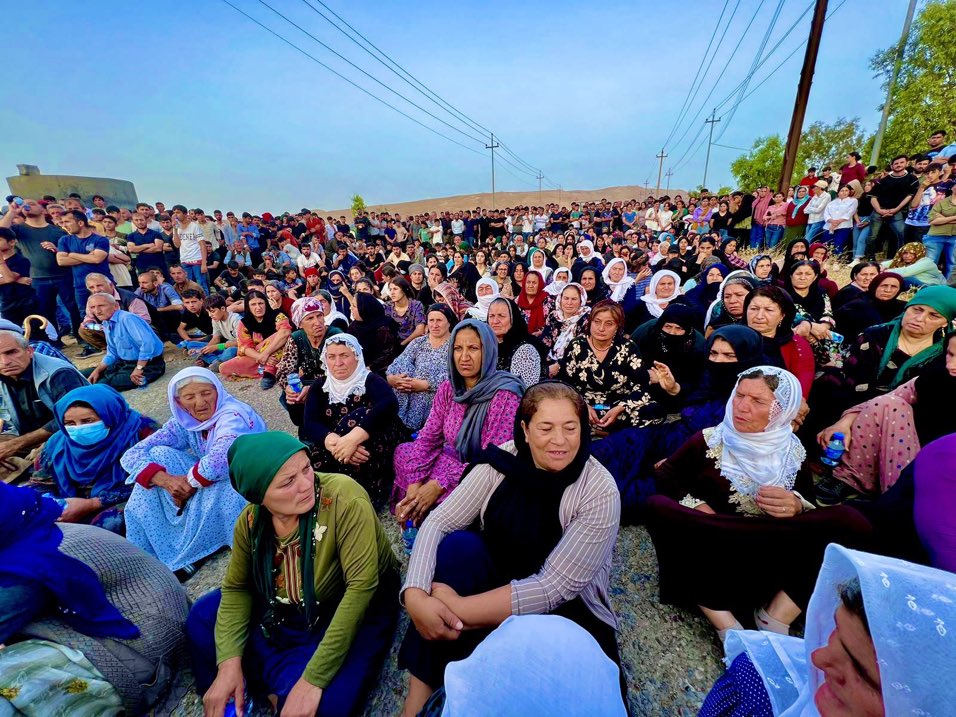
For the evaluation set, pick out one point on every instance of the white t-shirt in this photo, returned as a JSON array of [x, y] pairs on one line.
[[305, 262], [189, 237], [228, 330]]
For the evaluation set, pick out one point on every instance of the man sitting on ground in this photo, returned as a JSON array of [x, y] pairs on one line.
[[195, 327], [165, 300], [134, 354], [90, 331]]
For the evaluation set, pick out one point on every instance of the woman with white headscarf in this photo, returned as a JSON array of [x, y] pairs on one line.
[[732, 523], [182, 508], [878, 641], [486, 291], [587, 257], [559, 280], [538, 261], [617, 280], [664, 288], [565, 322], [352, 423]]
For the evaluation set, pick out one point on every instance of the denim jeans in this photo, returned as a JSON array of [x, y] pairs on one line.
[[194, 273], [757, 232], [774, 233], [896, 224], [861, 235], [47, 291], [223, 355], [813, 230], [941, 245]]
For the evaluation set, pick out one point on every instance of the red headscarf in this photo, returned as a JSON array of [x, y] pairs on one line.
[[533, 307]]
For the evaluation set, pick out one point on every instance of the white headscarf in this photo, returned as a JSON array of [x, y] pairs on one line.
[[590, 245], [620, 288], [771, 457], [339, 390], [911, 612], [231, 417], [557, 286], [544, 269], [480, 310], [656, 306]]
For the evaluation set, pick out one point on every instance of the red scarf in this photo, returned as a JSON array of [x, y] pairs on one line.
[[533, 308]]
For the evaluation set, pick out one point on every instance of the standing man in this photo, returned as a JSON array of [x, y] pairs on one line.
[[37, 241], [146, 246], [890, 199], [83, 251], [17, 299], [188, 238]]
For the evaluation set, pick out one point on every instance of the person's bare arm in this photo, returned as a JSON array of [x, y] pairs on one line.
[[97, 256], [67, 259], [6, 221], [7, 275]]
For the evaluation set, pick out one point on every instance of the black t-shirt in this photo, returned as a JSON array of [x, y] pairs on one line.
[[559, 222], [143, 260], [299, 229], [496, 227], [42, 261], [361, 227], [343, 228], [483, 231], [200, 321], [891, 191], [17, 297]]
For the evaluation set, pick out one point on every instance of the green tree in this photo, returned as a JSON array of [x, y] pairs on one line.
[[358, 204], [761, 165], [724, 191], [925, 92]]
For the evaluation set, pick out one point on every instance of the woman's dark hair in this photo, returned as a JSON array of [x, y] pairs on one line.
[[857, 268], [804, 262], [371, 284], [402, 283], [388, 271], [441, 267], [778, 296], [556, 390], [851, 595], [611, 307]]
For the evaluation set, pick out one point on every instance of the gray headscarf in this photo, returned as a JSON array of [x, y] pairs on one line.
[[478, 399]]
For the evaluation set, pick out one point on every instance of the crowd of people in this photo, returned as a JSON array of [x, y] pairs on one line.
[[509, 387]]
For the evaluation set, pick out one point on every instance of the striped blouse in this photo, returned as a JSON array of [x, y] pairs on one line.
[[579, 565]]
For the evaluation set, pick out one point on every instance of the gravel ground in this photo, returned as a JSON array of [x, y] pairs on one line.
[[671, 656]]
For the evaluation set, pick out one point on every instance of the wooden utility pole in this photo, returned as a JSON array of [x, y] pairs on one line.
[[710, 140], [803, 93], [897, 64], [540, 177], [493, 146], [660, 169], [669, 173]]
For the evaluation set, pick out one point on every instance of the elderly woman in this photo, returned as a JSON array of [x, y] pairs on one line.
[[771, 313], [263, 333], [663, 289], [405, 310], [80, 463], [303, 355], [446, 293], [673, 350], [519, 352], [876, 634], [587, 259], [486, 291], [728, 308], [861, 276], [567, 321], [605, 367], [559, 279], [530, 530], [914, 266], [307, 608], [616, 279], [472, 409], [352, 420], [533, 302], [538, 261], [593, 284], [331, 315], [418, 371], [741, 485], [182, 505], [376, 333], [877, 305]]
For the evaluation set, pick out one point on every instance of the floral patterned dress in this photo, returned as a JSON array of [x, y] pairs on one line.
[[413, 316], [419, 360], [620, 379]]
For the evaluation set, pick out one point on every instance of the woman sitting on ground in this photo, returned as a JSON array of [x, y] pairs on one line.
[[307, 609], [914, 266], [797, 250], [376, 333], [877, 305], [418, 371], [263, 333], [819, 253], [567, 321], [771, 312], [814, 314], [182, 505], [80, 463], [418, 279], [303, 356], [519, 352], [728, 308], [486, 291], [279, 301], [446, 293], [530, 530], [663, 289], [405, 310], [727, 252], [606, 369], [618, 282], [673, 351], [351, 420], [533, 302], [861, 276], [501, 274], [735, 497], [472, 409], [331, 315]]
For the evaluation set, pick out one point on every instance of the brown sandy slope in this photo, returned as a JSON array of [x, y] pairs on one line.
[[508, 199]]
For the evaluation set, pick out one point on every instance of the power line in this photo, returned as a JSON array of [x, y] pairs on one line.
[[343, 77]]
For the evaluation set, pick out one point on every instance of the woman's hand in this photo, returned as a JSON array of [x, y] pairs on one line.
[[801, 416], [610, 417], [553, 370], [360, 456], [433, 619], [402, 507], [78, 508], [803, 329], [664, 377], [820, 331], [844, 426], [303, 700], [593, 418], [415, 508], [177, 487], [346, 446], [228, 684], [778, 502], [704, 508]]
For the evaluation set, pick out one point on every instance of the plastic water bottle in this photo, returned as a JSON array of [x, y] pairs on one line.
[[248, 707], [59, 501], [834, 451], [295, 383], [409, 533], [260, 370], [836, 338]]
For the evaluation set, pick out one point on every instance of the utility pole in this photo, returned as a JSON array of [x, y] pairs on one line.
[[493, 146], [900, 51], [660, 168], [540, 177], [803, 93], [669, 173], [646, 183], [710, 140]]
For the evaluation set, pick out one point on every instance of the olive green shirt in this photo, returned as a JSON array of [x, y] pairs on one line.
[[350, 554]]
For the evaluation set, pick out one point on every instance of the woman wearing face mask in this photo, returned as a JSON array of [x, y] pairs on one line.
[[673, 350], [80, 462]]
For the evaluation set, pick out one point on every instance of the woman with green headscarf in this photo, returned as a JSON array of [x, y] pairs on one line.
[[307, 609]]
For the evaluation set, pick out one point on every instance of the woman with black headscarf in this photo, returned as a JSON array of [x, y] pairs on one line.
[[376, 332], [814, 313], [519, 351], [797, 250], [672, 349], [262, 336], [878, 305], [594, 285], [530, 530], [630, 454]]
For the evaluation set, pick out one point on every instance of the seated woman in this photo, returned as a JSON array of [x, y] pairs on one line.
[[820, 252], [472, 409], [303, 355], [418, 371], [567, 321], [707, 291], [307, 608], [673, 351], [182, 505], [279, 301], [376, 333], [405, 310], [762, 267], [875, 643], [446, 293], [730, 258], [605, 368], [80, 463], [748, 466], [89, 624], [594, 285], [877, 305], [518, 352], [351, 421], [486, 291], [263, 333], [663, 289], [797, 250], [814, 315], [618, 282], [530, 530], [771, 312], [334, 283], [630, 454], [332, 316], [883, 435], [533, 302], [914, 266], [728, 308], [861, 276]]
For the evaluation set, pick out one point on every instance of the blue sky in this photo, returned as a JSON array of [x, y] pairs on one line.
[[195, 104]]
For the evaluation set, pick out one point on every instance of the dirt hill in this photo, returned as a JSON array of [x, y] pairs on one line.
[[509, 199]]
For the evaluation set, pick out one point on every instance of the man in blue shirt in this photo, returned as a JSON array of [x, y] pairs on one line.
[[166, 301], [248, 231], [134, 353], [82, 250]]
